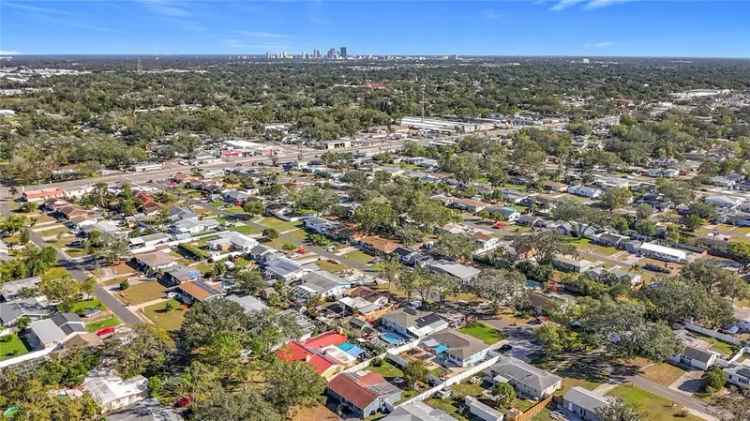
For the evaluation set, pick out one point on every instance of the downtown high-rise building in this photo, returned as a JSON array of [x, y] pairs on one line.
[[342, 52]]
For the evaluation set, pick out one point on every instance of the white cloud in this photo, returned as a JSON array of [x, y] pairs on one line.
[[587, 4], [600, 44], [9, 53]]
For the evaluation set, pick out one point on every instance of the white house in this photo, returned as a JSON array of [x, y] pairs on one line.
[[456, 348], [409, 322], [738, 375], [112, 392], [584, 404], [585, 191], [525, 378], [660, 252], [693, 357]]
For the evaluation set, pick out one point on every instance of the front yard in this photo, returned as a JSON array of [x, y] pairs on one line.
[[277, 224], [663, 373], [650, 406], [485, 333], [168, 320], [101, 324], [142, 293]]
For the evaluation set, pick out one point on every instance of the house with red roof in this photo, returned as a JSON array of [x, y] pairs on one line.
[[43, 194], [321, 352], [363, 393]]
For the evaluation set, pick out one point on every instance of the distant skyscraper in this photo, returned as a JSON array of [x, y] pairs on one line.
[[342, 52], [331, 53]]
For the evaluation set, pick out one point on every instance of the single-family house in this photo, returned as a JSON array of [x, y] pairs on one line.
[[481, 411], [177, 274], [229, 241], [571, 264], [12, 311], [468, 205], [417, 411], [376, 245], [693, 357], [610, 239], [55, 331], [249, 303], [584, 404], [409, 322], [150, 241], [154, 262], [528, 380], [364, 393], [318, 352], [585, 191], [34, 196], [455, 348], [364, 302], [193, 291], [664, 253], [721, 201], [463, 273], [738, 375], [322, 284], [112, 392], [284, 269], [194, 226], [11, 290]]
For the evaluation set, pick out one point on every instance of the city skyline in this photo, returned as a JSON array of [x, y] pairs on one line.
[[507, 28]]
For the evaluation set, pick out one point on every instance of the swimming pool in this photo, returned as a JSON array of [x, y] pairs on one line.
[[392, 338]]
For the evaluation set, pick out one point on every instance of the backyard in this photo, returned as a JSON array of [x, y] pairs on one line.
[[485, 333], [387, 369], [11, 346]]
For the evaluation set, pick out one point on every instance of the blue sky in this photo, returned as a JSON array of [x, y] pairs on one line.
[[534, 27]]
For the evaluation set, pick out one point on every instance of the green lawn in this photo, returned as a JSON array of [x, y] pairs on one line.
[[650, 406], [467, 389], [387, 369], [483, 332], [246, 229], [295, 237], [277, 224], [11, 346], [55, 273], [447, 406], [101, 324], [203, 267], [171, 320], [143, 292], [83, 305], [358, 256], [330, 266]]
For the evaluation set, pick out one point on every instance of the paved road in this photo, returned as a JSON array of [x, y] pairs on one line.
[[171, 168], [122, 312]]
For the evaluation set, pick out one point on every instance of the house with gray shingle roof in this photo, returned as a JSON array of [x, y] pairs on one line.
[[525, 378], [584, 404]]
